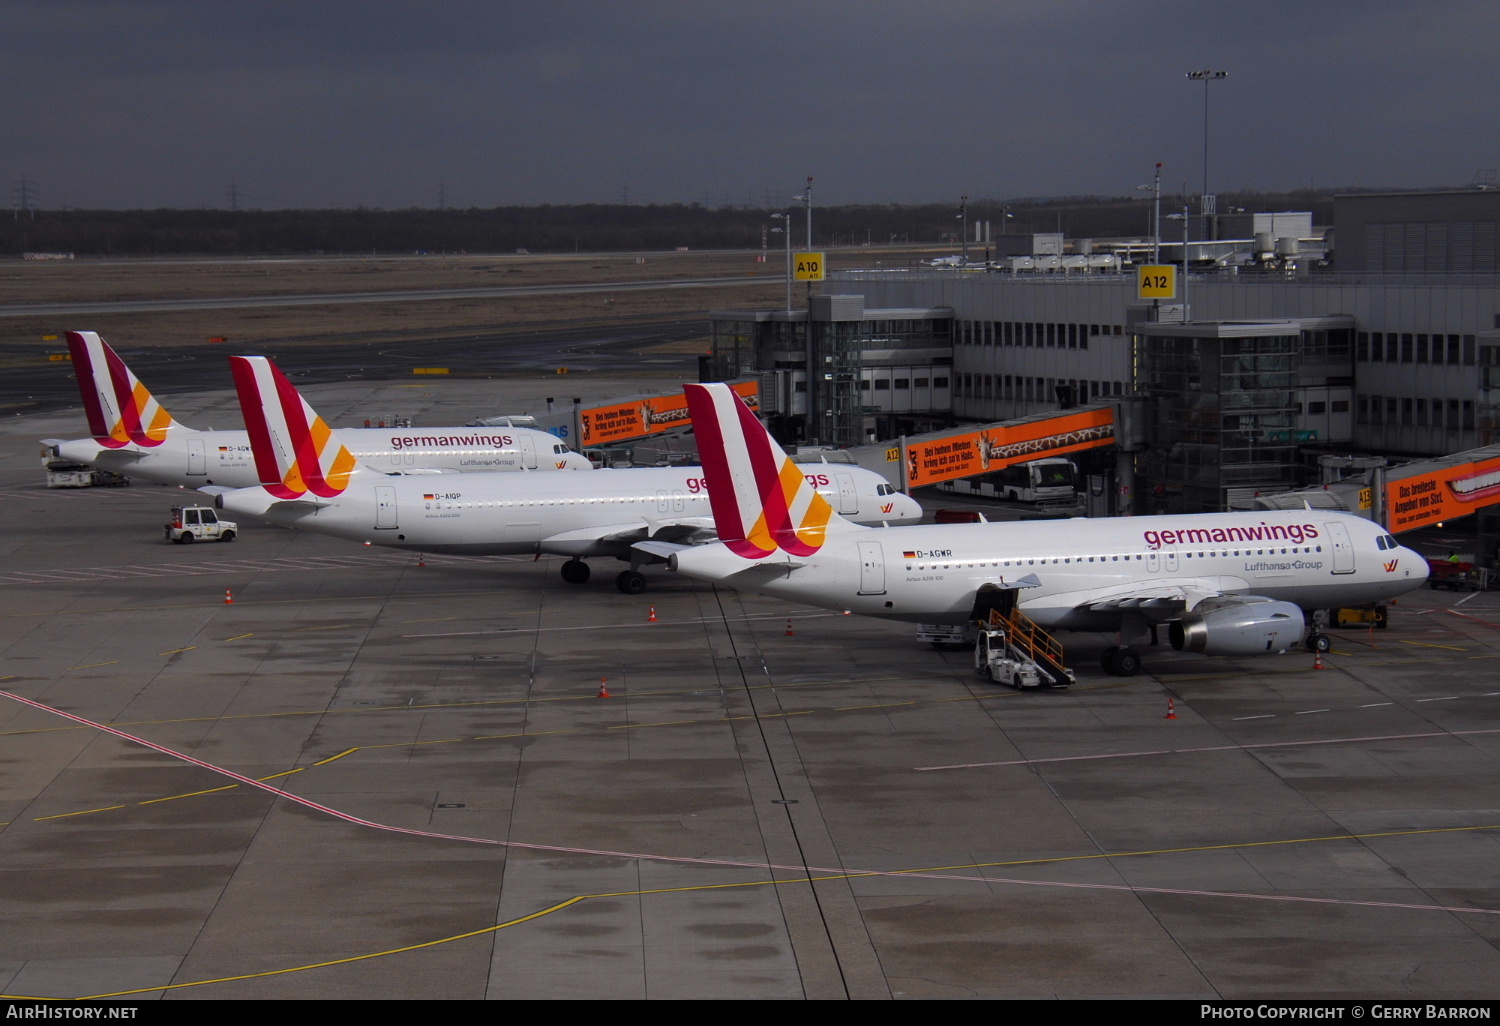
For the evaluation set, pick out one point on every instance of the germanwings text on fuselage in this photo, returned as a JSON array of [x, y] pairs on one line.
[[1297, 534], [411, 441]]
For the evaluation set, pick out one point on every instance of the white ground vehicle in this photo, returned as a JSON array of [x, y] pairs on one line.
[[943, 634], [1014, 651], [71, 474], [198, 523], [1049, 482]]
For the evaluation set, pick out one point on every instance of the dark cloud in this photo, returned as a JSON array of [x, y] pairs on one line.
[[165, 103]]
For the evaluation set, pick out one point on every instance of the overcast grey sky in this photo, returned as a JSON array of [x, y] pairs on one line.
[[147, 103]]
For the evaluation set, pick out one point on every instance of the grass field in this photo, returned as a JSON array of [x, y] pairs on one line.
[[93, 281]]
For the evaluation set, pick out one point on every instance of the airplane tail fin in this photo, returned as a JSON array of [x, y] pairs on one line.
[[121, 410], [761, 500], [296, 452]]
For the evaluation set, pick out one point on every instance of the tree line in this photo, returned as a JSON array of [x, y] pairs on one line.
[[580, 227]]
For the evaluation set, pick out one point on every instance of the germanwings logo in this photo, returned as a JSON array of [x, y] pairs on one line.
[[121, 411], [1390, 567], [295, 450], [761, 499], [887, 507]]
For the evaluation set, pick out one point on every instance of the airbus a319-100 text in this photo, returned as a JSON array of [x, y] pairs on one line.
[[1226, 583], [311, 481], [134, 434]]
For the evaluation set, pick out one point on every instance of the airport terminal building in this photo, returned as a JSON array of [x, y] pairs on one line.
[[1381, 342]]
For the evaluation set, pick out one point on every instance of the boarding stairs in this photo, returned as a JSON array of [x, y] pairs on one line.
[[1029, 643]]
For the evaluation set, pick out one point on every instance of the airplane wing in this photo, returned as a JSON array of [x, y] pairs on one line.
[[1155, 600], [613, 539]]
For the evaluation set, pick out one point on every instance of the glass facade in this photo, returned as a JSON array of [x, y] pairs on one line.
[[1220, 416], [837, 409]]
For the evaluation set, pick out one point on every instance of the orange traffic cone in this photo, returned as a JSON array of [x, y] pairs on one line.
[[603, 689], [421, 559], [228, 597], [1318, 661], [1171, 710], [789, 631], [652, 617]]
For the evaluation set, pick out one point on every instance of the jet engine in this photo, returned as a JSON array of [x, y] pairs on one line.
[[1239, 627]]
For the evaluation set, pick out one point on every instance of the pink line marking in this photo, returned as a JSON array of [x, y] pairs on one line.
[[840, 872]]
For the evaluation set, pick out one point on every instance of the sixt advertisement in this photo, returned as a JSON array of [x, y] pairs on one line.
[[649, 416], [1442, 495], [978, 452]]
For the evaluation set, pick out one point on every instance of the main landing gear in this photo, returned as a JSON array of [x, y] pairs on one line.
[[1120, 660], [630, 582]]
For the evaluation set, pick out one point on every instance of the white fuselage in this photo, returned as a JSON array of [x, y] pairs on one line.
[[566, 514], [1089, 573], [194, 458]]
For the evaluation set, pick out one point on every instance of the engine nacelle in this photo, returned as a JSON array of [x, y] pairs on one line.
[[1240, 628]]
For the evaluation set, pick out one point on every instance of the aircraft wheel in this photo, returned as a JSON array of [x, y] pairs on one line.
[[631, 582], [1107, 660], [1319, 643], [1125, 663], [575, 571], [227, 536], [1382, 618]]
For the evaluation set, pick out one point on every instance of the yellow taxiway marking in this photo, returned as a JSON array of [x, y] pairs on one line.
[[665, 723], [581, 697], [801, 880], [168, 798], [81, 812], [88, 666], [887, 705], [174, 651], [241, 637], [1428, 644], [336, 627]]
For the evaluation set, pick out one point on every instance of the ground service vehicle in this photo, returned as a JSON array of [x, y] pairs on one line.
[[1048, 482], [198, 523], [1010, 649], [1374, 615], [69, 474], [941, 635]]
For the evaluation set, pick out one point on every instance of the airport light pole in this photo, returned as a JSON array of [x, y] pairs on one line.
[[786, 234], [963, 215], [806, 197], [1155, 189], [1184, 218], [1206, 77]]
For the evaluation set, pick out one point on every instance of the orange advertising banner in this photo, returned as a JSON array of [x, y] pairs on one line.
[[1442, 495], [649, 416], [976, 452]]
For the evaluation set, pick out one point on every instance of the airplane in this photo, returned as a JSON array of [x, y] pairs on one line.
[[312, 481], [134, 434], [1225, 583]]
